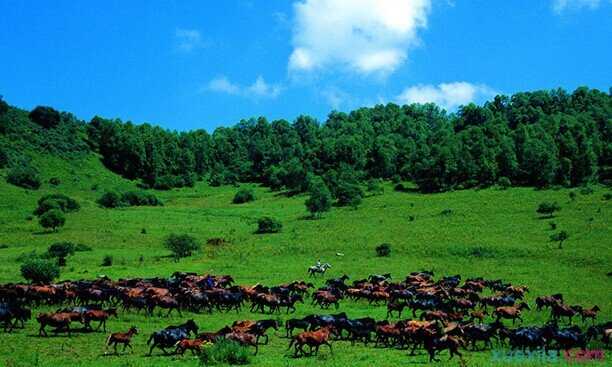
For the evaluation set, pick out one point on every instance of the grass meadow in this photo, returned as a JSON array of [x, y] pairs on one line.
[[491, 233]]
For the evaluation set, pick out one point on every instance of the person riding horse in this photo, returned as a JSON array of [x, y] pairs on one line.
[[318, 268]]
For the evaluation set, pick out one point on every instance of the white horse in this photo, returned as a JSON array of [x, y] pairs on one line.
[[318, 269]]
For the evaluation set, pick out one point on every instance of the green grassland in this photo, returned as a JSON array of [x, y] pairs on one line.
[[491, 233]]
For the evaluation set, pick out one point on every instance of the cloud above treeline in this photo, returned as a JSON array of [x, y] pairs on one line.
[[258, 89], [359, 36], [447, 95]]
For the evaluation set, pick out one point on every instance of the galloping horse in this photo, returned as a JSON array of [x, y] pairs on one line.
[[318, 269]]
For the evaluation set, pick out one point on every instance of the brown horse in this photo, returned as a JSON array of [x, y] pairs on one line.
[[314, 339], [395, 307], [121, 338], [434, 344], [194, 345], [560, 310], [98, 315], [590, 313], [510, 312], [244, 339], [59, 321]]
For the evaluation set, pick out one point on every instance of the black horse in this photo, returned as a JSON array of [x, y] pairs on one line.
[[171, 335], [10, 314]]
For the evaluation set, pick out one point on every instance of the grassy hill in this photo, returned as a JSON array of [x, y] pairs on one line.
[[491, 233]]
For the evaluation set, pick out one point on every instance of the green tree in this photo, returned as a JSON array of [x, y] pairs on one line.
[[269, 225], [244, 196], [61, 250], [319, 200], [53, 219], [181, 245], [45, 116], [40, 271], [24, 176], [559, 237], [548, 208], [349, 194]]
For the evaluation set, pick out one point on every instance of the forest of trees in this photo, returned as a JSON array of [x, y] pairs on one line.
[[539, 139]]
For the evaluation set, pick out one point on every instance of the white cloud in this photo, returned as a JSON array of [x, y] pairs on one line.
[[188, 39], [559, 6], [362, 36], [258, 89], [446, 95]]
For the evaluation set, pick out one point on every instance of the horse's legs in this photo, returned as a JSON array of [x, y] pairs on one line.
[[331, 351]]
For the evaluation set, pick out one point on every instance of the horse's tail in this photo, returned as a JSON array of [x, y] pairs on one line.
[[109, 339]]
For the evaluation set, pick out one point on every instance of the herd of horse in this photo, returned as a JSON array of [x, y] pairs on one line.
[[447, 313]]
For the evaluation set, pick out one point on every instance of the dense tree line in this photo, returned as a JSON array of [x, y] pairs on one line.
[[539, 138]]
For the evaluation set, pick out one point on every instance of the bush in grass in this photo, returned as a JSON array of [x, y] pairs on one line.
[[140, 198], [54, 181], [181, 245], [320, 199], [607, 196], [225, 352], [559, 237], [79, 247], [56, 201], [587, 190], [52, 219], [110, 199], [38, 270], [446, 212], [269, 225], [24, 176], [375, 187], [244, 196], [504, 183], [548, 208], [107, 260], [349, 194], [61, 250], [572, 195], [383, 250]]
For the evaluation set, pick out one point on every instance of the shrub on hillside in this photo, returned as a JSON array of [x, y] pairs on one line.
[[320, 199], [39, 271], [607, 196], [61, 249], [587, 190], [349, 194], [110, 199], [244, 196], [140, 198], [504, 183], [52, 219], [107, 260], [375, 187], [548, 208], [383, 250], [46, 117], [56, 201], [24, 176], [54, 181], [168, 182], [181, 245], [80, 247], [225, 352], [269, 225]]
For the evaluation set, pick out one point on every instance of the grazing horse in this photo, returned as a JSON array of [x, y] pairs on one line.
[[510, 312], [312, 339], [98, 315], [318, 269], [171, 335], [122, 338]]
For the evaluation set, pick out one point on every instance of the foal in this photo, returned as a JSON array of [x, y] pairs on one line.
[[121, 338]]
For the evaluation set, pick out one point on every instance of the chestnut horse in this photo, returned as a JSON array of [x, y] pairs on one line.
[[312, 339]]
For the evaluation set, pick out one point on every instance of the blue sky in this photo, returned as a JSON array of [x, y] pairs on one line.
[[204, 64]]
